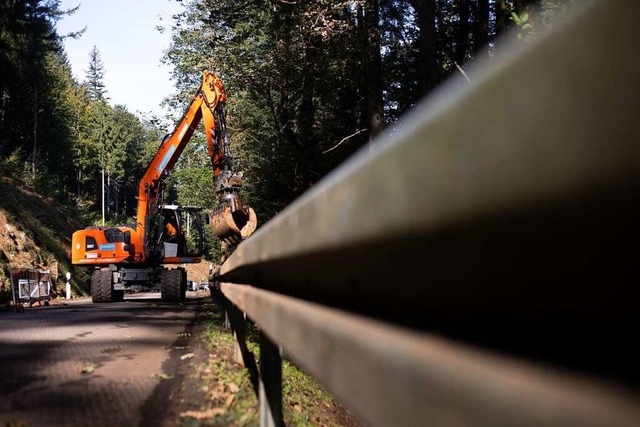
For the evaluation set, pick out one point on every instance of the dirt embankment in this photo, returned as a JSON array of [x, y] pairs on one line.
[[197, 272], [35, 233]]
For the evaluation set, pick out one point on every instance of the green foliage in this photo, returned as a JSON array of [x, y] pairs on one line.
[[530, 20], [299, 74], [57, 134], [286, 97], [14, 165], [212, 250]]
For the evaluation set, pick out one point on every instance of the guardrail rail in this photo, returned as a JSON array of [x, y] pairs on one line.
[[479, 266]]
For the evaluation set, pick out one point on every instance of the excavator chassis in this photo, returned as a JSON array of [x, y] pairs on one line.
[[108, 284]]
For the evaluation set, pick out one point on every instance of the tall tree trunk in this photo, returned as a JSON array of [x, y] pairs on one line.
[[102, 192], [462, 39], [125, 195], [482, 28], [428, 70], [307, 115], [373, 72], [3, 108], [117, 205], [282, 22], [35, 132], [108, 193], [501, 16]]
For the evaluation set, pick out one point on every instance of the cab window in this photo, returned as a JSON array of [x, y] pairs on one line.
[[90, 243], [114, 235]]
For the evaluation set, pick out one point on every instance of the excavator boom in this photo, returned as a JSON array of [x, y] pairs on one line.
[[232, 221]]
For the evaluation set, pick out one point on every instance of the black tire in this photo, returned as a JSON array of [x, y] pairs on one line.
[[101, 289], [183, 286], [163, 277], [170, 282]]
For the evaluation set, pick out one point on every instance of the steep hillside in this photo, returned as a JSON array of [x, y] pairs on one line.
[[197, 272], [35, 233]]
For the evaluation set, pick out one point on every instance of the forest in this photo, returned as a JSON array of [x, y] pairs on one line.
[[309, 83]]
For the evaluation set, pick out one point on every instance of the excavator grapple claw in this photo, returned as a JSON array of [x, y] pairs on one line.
[[232, 227]]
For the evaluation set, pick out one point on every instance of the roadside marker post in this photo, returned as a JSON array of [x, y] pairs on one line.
[[68, 286]]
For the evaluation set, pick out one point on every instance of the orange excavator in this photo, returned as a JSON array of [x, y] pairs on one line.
[[134, 256]]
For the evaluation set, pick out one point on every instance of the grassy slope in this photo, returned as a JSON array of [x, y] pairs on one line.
[[35, 233]]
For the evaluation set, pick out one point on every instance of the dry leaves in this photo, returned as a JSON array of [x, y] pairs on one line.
[[88, 368], [203, 415], [229, 400], [162, 376]]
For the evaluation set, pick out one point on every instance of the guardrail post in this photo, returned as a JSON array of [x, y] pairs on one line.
[[270, 383], [236, 320], [226, 307], [239, 327], [216, 295]]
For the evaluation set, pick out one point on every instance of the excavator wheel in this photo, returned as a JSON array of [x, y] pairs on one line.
[[171, 285], [233, 227], [101, 287], [183, 286]]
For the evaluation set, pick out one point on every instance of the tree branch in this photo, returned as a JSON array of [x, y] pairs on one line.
[[462, 71], [346, 138]]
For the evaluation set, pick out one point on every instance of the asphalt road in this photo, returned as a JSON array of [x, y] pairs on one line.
[[89, 364]]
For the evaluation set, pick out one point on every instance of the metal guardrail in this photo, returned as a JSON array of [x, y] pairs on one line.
[[480, 266]]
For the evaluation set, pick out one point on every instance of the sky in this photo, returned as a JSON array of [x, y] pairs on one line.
[[130, 46]]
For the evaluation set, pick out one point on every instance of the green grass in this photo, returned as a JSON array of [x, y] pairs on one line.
[[232, 400]]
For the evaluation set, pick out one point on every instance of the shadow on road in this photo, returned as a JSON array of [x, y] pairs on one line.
[[88, 364]]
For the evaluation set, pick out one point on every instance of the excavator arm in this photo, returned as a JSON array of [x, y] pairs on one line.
[[231, 221]]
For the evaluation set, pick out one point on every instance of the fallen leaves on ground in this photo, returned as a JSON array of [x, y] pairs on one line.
[[203, 415], [162, 376], [218, 392], [229, 400], [88, 368]]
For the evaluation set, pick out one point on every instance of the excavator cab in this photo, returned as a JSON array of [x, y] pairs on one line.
[[181, 235]]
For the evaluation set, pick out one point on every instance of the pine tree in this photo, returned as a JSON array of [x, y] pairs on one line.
[[95, 76]]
